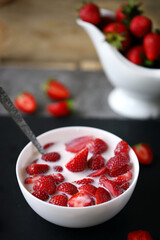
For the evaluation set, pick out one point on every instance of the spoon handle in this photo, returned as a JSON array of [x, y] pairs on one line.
[[17, 117]]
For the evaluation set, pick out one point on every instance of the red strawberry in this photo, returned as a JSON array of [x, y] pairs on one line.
[[102, 195], [123, 178], [111, 186], [151, 44], [81, 199], [98, 172], [41, 195], [60, 200], [96, 162], [88, 188], [78, 144], [125, 186], [47, 145], [26, 102], [79, 162], [56, 90], [135, 55], [30, 180], [84, 181], [119, 14], [140, 26], [90, 13], [139, 235], [115, 163], [68, 188], [120, 171], [60, 109], [51, 157], [122, 148], [118, 35], [33, 169], [45, 184], [144, 153], [105, 20], [58, 168], [58, 177], [97, 146]]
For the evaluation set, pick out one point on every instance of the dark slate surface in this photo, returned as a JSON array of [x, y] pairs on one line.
[[89, 89], [18, 221]]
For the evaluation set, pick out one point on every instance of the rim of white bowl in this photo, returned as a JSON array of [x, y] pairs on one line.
[[135, 162]]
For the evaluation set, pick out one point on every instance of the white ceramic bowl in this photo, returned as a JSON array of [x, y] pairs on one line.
[[67, 216], [137, 89]]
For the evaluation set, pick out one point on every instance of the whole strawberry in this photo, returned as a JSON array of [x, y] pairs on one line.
[[139, 235], [151, 44], [26, 102], [140, 26], [60, 109], [135, 55], [90, 13], [118, 35]]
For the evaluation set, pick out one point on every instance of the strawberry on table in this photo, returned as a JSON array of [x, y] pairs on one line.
[[140, 26], [68, 188], [33, 169], [45, 184], [139, 235], [60, 200], [144, 153], [79, 161], [89, 12], [135, 55], [81, 199], [60, 109], [102, 195], [151, 44], [56, 90], [26, 102], [77, 144]]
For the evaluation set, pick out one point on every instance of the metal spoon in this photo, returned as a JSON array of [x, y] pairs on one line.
[[17, 117]]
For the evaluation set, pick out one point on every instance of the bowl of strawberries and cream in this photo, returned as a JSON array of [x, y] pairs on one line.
[[86, 176]]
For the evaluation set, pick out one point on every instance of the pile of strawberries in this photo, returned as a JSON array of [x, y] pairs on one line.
[[55, 91], [130, 32]]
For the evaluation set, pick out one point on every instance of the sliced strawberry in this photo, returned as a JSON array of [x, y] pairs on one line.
[[88, 188], [45, 184], [96, 162], [102, 195], [123, 178], [30, 180], [117, 162], [81, 199], [97, 146], [68, 188], [111, 186], [58, 168], [41, 195], [60, 200], [79, 162], [33, 169], [120, 171], [144, 153], [47, 145], [122, 148], [125, 186], [58, 177], [56, 90], [78, 144], [51, 157], [84, 181], [139, 235], [26, 102], [98, 172]]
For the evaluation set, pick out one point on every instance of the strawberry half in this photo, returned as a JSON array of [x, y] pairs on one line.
[[41, 195], [78, 144], [144, 153], [88, 188], [56, 90], [117, 162], [90, 13], [51, 157], [102, 195], [45, 184], [60, 200], [98, 172], [26, 102], [30, 180], [96, 162], [123, 178], [81, 199], [139, 235], [122, 148], [79, 162], [111, 186], [68, 188], [97, 146], [33, 169], [60, 109], [120, 171]]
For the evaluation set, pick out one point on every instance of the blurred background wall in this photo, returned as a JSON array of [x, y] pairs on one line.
[[44, 33]]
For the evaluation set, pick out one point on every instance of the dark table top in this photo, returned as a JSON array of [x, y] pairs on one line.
[[19, 221]]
